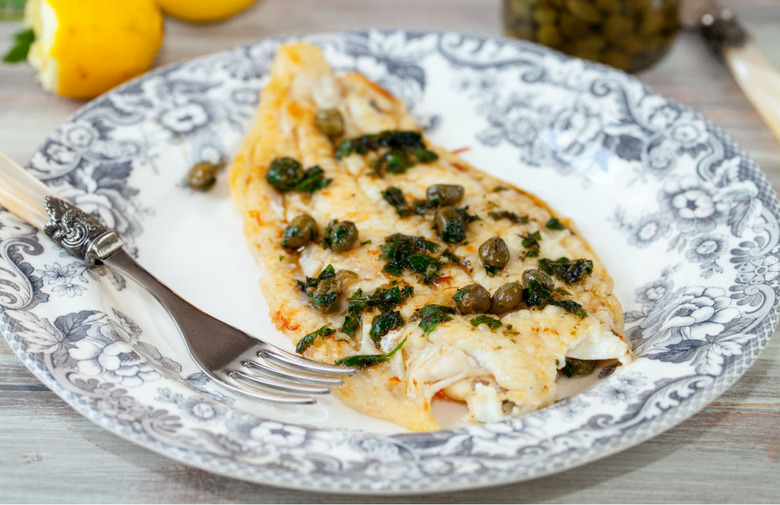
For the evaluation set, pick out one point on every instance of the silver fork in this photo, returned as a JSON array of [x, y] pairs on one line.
[[240, 362]]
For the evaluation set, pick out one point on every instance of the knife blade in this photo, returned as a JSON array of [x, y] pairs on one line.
[[754, 72]]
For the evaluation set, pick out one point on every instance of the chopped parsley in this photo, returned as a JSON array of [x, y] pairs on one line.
[[431, 315], [351, 325], [554, 224], [383, 324], [404, 252], [491, 322], [365, 360], [505, 214], [570, 306], [397, 200], [366, 242], [535, 295], [386, 299], [286, 174], [569, 271], [309, 339], [401, 150], [531, 243]]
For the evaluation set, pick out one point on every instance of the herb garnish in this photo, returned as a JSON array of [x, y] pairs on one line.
[[385, 299], [404, 150], [308, 339], [21, 48], [365, 360], [351, 325], [323, 290], [286, 174], [569, 271], [404, 252], [505, 214], [536, 295], [396, 198], [491, 322], [554, 224], [383, 323], [431, 315], [531, 242]]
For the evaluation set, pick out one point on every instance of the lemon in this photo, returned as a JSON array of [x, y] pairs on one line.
[[83, 48], [203, 11]]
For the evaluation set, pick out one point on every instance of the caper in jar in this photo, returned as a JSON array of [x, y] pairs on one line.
[[302, 230], [494, 254], [203, 175], [340, 236], [537, 275], [444, 194], [506, 298], [450, 225], [330, 122], [285, 173], [472, 299]]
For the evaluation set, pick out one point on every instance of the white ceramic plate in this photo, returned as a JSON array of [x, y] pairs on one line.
[[683, 219]]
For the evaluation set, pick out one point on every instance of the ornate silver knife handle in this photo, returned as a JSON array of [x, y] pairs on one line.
[[79, 233]]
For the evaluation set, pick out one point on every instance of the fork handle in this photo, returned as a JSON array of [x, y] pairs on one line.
[[23, 194], [71, 228]]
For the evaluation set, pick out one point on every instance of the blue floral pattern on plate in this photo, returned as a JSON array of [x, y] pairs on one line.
[[683, 192]]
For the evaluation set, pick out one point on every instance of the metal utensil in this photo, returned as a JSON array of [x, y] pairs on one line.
[[757, 76], [240, 362]]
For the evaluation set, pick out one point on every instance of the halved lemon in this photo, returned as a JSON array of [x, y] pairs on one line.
[[83, 48], [203, 11]]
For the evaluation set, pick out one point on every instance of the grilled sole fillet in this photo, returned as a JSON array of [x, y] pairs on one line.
[[499, 373]]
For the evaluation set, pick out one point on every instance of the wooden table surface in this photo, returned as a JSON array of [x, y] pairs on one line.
[[729, 452]]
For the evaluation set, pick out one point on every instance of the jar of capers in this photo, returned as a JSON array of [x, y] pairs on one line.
[[627, 34]]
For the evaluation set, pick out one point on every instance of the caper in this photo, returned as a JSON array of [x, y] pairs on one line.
[[578, 367], [450, 225], [584, 10], [341, 235], [325, 297], [444, 194], [203, 175], [494, 253], [472, 299], [506, 298], [302, 230], [534, 274], [284, 173], [330, 122]]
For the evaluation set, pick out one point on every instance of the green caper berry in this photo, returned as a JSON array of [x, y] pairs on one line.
[[472, 299], [203, 175], [285, 173], [325, 296], [330, 122], [449, 225], [344, 234], [506, 298], [542, 278], [445, 194], [301, 231], [494, 253]]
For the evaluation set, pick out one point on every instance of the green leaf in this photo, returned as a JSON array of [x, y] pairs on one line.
[[431, 315], [569, 271], [491, 322], [365, 360], [382, 324], [308, 339], [351, 325], [22, 42], [554, 224]]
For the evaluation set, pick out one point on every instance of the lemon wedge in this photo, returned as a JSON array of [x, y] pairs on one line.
[[203, 11], [83, 48]]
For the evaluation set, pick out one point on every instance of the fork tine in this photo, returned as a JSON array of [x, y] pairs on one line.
[[303, 364], [253, 391], [278, 385], [267, 367]]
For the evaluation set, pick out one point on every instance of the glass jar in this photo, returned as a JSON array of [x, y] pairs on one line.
[[627, 34]]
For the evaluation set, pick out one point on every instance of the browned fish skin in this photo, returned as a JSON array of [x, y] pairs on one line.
[[498, 373]]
